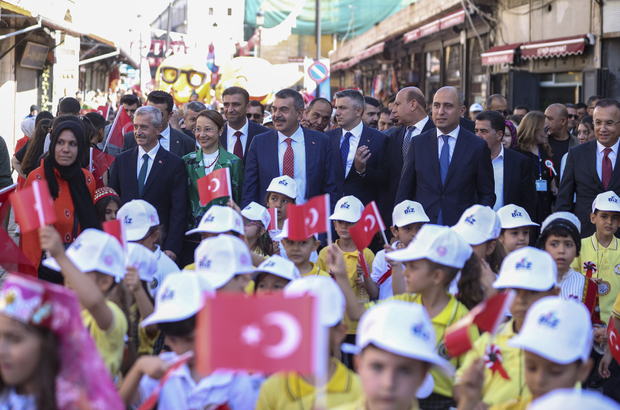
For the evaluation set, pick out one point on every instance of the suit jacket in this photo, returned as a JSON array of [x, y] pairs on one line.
[[470, 173], [180, 144], [165, 189], [363, 188], [253, 130], [519, 187], [468, 124], [263, 165], [580, 177]]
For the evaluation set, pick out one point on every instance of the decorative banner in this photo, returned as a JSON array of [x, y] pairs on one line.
[[33, 207], [309, 219], [214, 185]]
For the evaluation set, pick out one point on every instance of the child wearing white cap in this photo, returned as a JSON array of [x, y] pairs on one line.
[[556, 340], [226, 262], [92, 266], [293, 391], [281, 192], [516, 225], [256, 220], [531, 273], [302, 253], [407, 217], [181, 297], [273, 275]]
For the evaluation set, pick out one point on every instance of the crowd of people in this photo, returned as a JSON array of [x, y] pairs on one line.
[[476, 202]]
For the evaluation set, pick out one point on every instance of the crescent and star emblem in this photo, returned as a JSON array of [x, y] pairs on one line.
[[315, 218], [252, 334], [372, 220], [217, 185]]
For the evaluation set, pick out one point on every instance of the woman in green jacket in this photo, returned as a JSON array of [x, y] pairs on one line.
[[211, 156]]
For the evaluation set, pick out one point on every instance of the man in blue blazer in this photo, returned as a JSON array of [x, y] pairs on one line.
[[448, 168], [302, 154], [151, 173], [357, 150]]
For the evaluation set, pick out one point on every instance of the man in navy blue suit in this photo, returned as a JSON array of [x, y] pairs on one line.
[[238, 133], [448, 168], [150, 172], [289, 149], [357, 150]]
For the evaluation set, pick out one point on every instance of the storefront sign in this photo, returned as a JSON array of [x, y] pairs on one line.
[[435, 26], [500, 54], [560, 47], [34, 56]]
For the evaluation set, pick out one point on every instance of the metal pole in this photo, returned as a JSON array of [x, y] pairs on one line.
[[169, 27], [318, 29], [140, 63]]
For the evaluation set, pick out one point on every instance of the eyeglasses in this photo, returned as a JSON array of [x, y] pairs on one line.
[[256, 116], [247, 222], [610, 123], [505, 113], [573, 116], [171, 74]]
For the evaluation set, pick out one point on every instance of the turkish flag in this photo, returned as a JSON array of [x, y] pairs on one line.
[[268, 334], [4, 199], [487, 315], [273, 224], [308, 219], [214, 185], [12, 259], [116, 228], [99, 163], [369, 224], [33, 206], [153, 398], [121, 126], [104, 110], [614, 339]]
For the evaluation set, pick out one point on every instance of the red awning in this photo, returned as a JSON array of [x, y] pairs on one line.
[[362, 55], [500, 54], [559, 47], [443, 23]]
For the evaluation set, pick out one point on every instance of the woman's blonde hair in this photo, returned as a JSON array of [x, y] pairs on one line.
[[531, 125]]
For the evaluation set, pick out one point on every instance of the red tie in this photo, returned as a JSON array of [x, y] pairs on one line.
[[238, 150], [288, 163], [606, 168]]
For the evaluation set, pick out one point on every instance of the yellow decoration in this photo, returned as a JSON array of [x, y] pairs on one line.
[[184, 74]]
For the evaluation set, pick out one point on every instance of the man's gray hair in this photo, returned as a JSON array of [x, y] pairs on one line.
[[298, 100], [156, 117], [195, 106], [356, 96]]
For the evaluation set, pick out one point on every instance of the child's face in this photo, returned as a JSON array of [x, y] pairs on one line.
[[280, 202], [543, 375], [563, 250], [110, 211], [182, 344], [485, 249], [270, 284], [299, 252], [337, 334], [524, 299], [419, 275], [405, 234], [389, 381], [253, 229], [20, 352], [606, 222], [237, 284], [515, 238], [342, 228]]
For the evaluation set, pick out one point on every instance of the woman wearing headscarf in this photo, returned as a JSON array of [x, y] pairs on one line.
[[71, 187], [28, 126]]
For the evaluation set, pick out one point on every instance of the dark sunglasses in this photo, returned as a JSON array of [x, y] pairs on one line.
[[573, 116], [255, 115], [505, 113], [171, 74]]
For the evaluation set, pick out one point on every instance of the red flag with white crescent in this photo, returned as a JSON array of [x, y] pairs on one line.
[[308, 219], [103, 110], [116, 228], [368, 226], [121, 126], [614, 339], [33, 206], [214, 185]]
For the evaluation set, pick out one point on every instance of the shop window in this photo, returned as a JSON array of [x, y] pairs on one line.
[[453, 64], [560, 87], [433, 71]]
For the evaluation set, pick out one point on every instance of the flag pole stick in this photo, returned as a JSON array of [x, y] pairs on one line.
[[329, 228], [118, 114]]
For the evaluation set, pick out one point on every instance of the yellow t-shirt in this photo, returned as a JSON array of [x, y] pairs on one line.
[[316, 271], [110, 342], [453, 311], [361, 405], [513, 404], [616, 309], [497, 390], [607, 263], [289, 391], [350, 260], [145, 342]]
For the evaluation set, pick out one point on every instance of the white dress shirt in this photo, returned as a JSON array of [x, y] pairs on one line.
[[165, 139], [419, 126], [151, 159], [498, 173], [353, 143], [299, 151], [231, 140], [600, 155], [451, 141]]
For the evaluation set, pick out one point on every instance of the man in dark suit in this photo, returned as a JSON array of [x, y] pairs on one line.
[[239, 131], [514, 182], [170, 139], [447, 167], [155, 175], [591, 167], [289, 149], [357, 150]]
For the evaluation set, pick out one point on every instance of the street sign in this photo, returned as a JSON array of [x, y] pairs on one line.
[[318, 72]]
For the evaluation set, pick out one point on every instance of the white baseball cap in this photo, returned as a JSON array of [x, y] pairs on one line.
[[284, 185], [563, 399], [527, 268], [475, 107], [561, 215], [279, 266], [219, 219], [330, 299], [284, 232], [478, 224], [267, 119], [256, 212], [348, 209], [95, 250], [436, 243], [554, 318], [607, 201], [138, 217], [142, 259], [401, 328], [221, 258], [408, 212], [180, 296], [513, 216]]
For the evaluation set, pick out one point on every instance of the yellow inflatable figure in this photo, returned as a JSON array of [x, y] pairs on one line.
[[183, 75], [253, 74]]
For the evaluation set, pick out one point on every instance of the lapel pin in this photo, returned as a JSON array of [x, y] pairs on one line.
[[160, 161], [313, 143]]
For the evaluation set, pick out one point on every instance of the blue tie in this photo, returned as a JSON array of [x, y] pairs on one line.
[[444, 159], [344, 151], [142, 176]]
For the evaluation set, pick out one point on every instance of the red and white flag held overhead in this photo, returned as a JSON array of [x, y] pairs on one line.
[[99, 162], [104, 110], [116, 228], [33, 206], [614, 339], [214, 185], [308, 219], [121, 126], [369, 224]]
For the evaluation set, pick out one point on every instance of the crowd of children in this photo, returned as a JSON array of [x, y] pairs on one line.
[[130, 309]]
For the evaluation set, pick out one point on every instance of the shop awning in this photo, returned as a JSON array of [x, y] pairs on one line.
[[559, 47], [362, 55], [500, 54], [443, 23]]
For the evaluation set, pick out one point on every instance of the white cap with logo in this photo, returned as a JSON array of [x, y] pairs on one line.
[[348, 209], [561, 215], [564, 399], [436, 243], [219, 219], [478, 224], [607, 201], [142, 259], [554, 318], [408, 212], [284, 185], [330, 299], [221, 258], [475, 107], [138, 216], [279, 266], [528, 268], [513, 216], [257, 212]]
